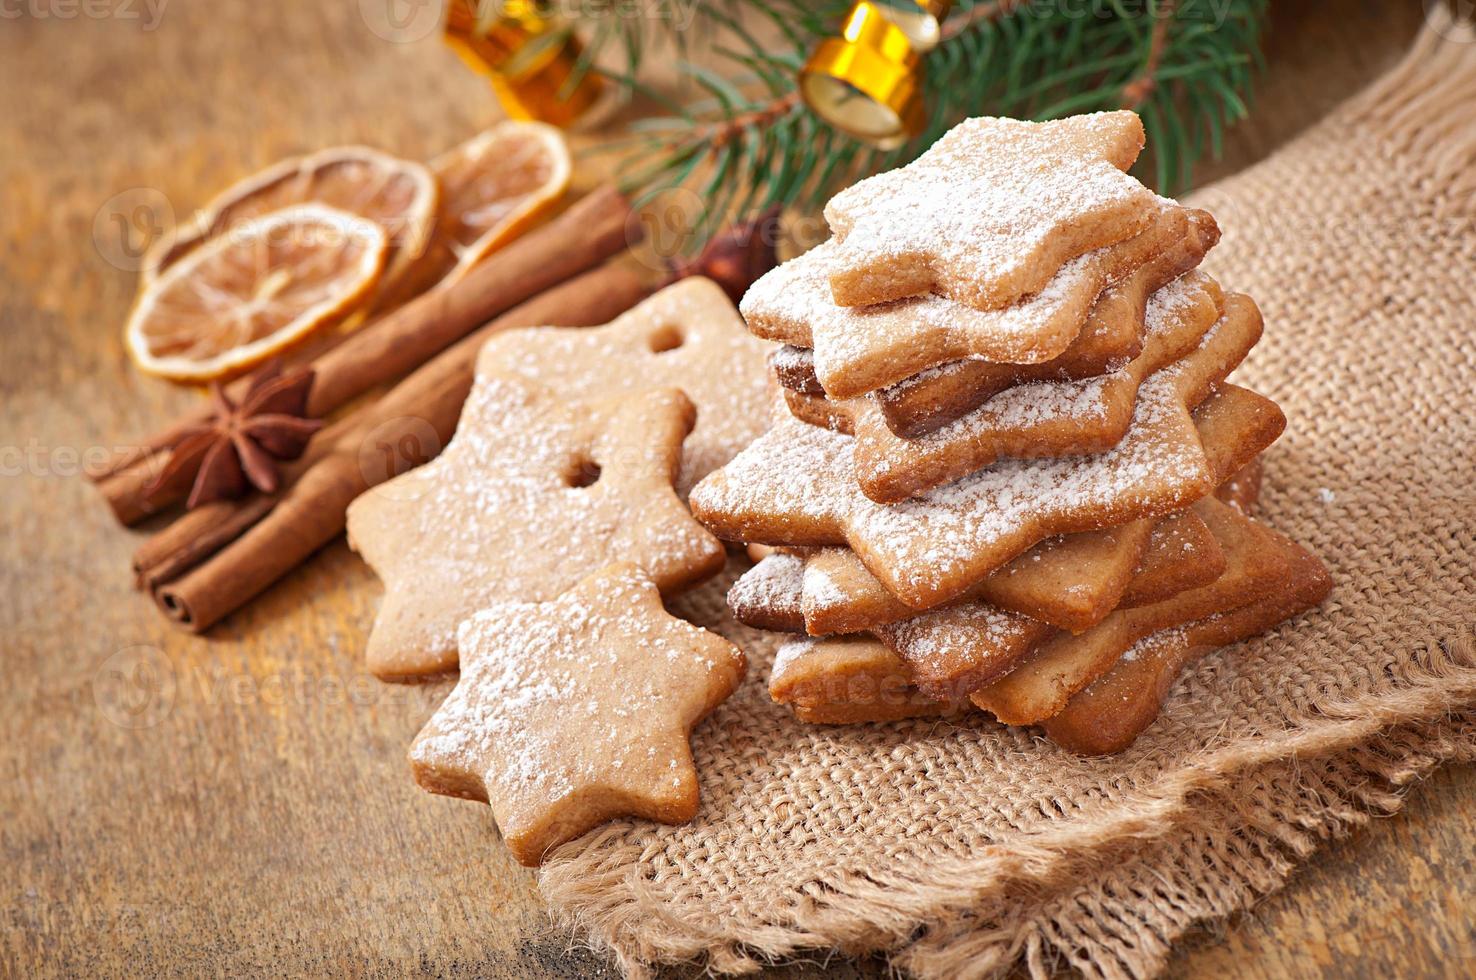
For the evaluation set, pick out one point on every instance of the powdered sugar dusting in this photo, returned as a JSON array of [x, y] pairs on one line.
[[1044, 418], [500, 514], [594, 691], [687, 336], [817, 586], [943, 541], [793, 303], [985, 199], [772, 585]]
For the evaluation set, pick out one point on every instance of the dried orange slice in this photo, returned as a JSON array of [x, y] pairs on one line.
[[398, 195], [496, 185], [254, 291]]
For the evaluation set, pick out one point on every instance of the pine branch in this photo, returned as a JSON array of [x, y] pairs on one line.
[[748, 142]]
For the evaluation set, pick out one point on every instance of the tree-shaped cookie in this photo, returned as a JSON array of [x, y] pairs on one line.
[[990, 212], [576, 711], [529, 496]]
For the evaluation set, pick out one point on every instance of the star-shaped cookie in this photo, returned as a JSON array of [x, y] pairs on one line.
[[1041, 418], [687, 336], [1258, 561], [991, 212], [861, 348], [796, 486], [576, 711], [531, 494]]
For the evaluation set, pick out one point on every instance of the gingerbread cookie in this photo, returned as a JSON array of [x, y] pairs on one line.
[[990, 212], [1117, 707], [1243, 490], [1046, 418], [531, 493], [687, 336], [795, 485], [960, 648], [1112, 336], [576, 711], [859, 349], [794, 368], [1182, 554], [848, 680], [1070, 582], [1040, 685], [767, 596]]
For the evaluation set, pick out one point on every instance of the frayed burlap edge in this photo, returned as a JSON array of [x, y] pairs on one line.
[[940, 923], [1338, 765], [1232, 848]]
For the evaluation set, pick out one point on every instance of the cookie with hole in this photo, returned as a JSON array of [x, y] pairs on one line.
[[532, 491], [686, 336]]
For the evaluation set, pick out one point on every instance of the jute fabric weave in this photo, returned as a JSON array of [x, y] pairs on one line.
[[969, 849]]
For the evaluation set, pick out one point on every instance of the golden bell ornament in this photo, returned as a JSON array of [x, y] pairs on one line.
[[868, 81], [530, 57]]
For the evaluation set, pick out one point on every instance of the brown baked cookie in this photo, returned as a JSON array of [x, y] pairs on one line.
[[767, 596], [575, 711], [860, 349], [1110, 714], [1040, 685], [1182, 554], [930, 663], [991, 212], [1112, 336], [1047, 418], [530, 494], [687, 336], [960, 648], [794, 368], [795, 485], [1243, 490], [1070, 581], [845, 680]]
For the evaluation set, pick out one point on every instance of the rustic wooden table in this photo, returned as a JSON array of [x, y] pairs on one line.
[[251, 810]]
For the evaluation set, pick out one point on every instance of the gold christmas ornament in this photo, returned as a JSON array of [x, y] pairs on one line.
[[868, 81], [530, 57], [921, 21]]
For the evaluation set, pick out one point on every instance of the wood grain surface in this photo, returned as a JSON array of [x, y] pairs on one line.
[[240, 803]]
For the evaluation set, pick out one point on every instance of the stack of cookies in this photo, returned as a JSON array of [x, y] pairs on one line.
[[1005, 470]]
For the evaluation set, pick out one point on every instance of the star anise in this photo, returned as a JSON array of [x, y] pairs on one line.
[[241, 444]]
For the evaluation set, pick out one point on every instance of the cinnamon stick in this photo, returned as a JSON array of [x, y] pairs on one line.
[[590, 231], [311, 512]]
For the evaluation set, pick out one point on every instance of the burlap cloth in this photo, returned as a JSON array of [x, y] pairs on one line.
[[968, 849]]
